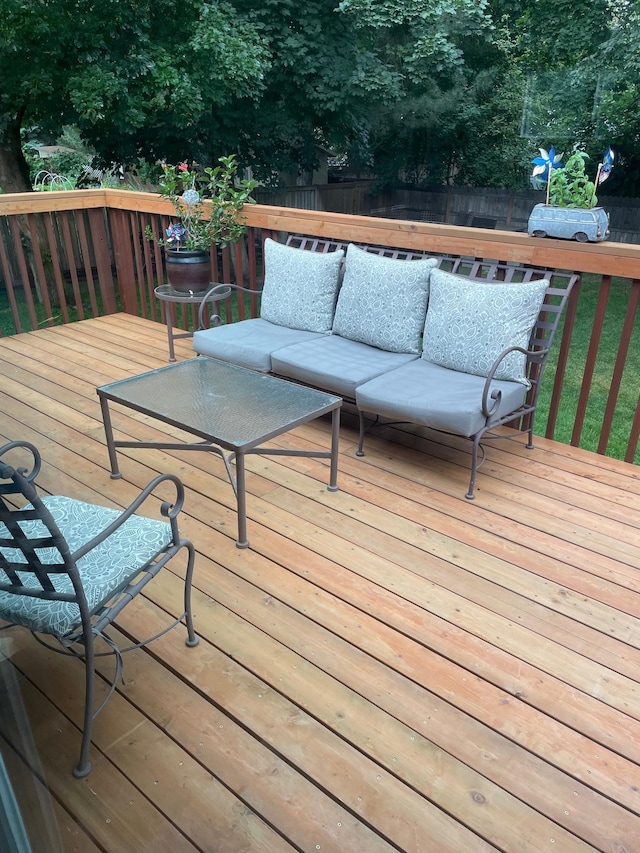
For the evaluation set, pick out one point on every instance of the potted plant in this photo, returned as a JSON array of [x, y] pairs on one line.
[[571, 209], [207, 204]]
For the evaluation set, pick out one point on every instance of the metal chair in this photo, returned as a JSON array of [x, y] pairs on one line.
[[68, 568]]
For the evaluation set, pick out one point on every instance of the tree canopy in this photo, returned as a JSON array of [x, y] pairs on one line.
[[421, 91], [136, 77]]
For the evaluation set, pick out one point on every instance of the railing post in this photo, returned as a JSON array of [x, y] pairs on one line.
[[102, 255], [40, 275], [589, 367], [563, 358], [621, 361], [634, 437], [124, 260]]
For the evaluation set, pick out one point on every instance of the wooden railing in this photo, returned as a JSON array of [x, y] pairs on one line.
[[65, 256]]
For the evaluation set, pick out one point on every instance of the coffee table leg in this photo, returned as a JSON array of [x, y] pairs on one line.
[[241, 498], [335, 438], [108, 431]]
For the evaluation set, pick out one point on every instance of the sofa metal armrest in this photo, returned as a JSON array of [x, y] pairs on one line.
[[169, 509], [215, 294], [495, 395]]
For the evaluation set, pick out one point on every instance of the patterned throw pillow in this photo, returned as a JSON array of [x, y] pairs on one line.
[[470, 323], [300, 287], [382, 301]]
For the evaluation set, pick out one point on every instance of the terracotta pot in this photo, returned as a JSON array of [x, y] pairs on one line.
[[188, 270]]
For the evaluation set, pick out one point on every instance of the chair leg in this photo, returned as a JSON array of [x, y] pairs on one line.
[[83, 768], [529, 444], [474, 467], [192, 638], [360, 451]]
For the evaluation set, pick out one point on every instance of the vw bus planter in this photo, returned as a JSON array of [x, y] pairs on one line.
[[569, 223]]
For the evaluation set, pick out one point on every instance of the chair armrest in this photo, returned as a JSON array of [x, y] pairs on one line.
[[215, 294], [496, 395], [169, 509], [7, 471]]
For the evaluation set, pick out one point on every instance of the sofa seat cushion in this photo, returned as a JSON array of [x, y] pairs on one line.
[[300, 287], [248, 343], [470, 323], [383, 301], [335, 364], [434, 396]]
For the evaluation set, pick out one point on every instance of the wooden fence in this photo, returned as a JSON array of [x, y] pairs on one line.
[[483, 208], [65, 256]]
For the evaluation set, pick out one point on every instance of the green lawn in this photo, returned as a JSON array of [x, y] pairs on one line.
[[6, 319]]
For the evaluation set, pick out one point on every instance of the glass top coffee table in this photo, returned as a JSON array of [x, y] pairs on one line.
[[233, 410]]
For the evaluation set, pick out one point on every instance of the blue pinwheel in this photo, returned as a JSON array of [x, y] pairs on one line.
[[547, 161], [604, 169]]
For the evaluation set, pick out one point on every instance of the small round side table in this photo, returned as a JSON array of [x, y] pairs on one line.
[[166, 293]]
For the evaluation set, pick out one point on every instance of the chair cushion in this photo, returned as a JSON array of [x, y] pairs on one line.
[[382, 301], [300, 287], [104, 571], [435, 396], [248, 343], [335, 364], [469, 323]]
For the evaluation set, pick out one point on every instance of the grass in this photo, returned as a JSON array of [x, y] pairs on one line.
[[605, 362], [7, 325]]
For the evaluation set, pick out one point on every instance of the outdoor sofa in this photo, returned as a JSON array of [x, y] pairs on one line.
[[403, 335]]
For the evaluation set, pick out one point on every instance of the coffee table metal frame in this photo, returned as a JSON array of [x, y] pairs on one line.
[[166, 293], [203, 396]]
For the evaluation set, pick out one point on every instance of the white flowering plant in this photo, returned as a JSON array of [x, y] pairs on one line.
[[207, 203]]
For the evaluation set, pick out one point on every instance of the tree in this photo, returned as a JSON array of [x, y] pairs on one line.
[[618, 61], [323, 79], [582, 78], [133, 76], [425, 91], [448, 65], [269, 79]]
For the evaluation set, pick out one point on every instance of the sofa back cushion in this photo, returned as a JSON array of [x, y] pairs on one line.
[[382, 301], [300, 287], [469, 323]]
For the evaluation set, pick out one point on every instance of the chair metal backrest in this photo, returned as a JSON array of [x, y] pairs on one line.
[[324, 245], [42, 553]]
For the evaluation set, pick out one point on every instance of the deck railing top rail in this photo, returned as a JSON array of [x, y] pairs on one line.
[[605, 258]]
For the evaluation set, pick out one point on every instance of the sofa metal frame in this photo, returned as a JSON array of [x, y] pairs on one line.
[[520, 420]]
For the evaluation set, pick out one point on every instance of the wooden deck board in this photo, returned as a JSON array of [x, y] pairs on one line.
[[388, 667]]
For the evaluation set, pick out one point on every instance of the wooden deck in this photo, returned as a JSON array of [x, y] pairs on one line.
[[388, 667]]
